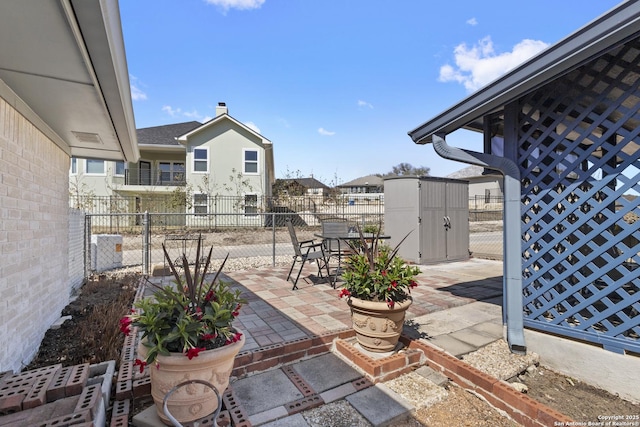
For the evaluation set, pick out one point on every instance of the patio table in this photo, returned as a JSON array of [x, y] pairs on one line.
[[346, 238]]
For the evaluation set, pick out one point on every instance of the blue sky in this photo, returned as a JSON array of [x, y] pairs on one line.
[[334, 84]]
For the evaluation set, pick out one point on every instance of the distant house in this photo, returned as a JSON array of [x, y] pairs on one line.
[[366, 186], [64, 91], [485, 186], [300, 187], [219, 158]]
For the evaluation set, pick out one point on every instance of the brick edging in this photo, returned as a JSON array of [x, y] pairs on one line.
[[520, 407]]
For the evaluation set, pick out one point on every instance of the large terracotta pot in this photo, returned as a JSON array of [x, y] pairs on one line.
[[194, 401], [377, 326]]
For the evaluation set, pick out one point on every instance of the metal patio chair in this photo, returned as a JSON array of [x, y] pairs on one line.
[[334, 247], [306, 251]]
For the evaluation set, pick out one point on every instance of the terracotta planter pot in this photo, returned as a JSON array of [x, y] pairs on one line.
[[195, 401], [377, 326]]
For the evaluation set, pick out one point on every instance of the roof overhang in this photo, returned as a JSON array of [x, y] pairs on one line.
[[609, 30], [65, 59], [183, 138]]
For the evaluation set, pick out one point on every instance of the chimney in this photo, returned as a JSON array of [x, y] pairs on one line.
[[221, 109]]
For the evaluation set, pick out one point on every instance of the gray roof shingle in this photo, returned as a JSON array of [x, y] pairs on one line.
[[165, 134], [364, 181]]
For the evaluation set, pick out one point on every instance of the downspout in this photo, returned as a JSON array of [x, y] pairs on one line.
[[511, 233]]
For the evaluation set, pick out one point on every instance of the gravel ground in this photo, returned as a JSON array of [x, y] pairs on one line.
[[497, 360]]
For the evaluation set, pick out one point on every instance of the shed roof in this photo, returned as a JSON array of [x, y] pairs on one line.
[[602, 34]]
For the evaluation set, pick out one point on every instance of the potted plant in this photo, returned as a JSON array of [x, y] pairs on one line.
[[187, 334], [378, 286]]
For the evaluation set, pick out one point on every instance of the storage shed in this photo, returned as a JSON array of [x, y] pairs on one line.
[[435, 211]]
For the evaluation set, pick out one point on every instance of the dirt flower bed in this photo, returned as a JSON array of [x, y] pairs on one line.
[[92, 335]]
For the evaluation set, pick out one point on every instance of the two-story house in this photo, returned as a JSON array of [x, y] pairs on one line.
[[218, 167]]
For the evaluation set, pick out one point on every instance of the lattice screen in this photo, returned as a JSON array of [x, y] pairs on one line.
[[580, 164]]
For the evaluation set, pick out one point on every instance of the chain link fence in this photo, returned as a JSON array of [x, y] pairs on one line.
[[134, 240]]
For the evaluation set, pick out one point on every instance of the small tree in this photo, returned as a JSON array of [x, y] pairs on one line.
[[82, 196], [237, 186], [403, 169]]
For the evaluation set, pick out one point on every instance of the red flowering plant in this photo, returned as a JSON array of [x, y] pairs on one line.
[[374, 272], [192, 316]]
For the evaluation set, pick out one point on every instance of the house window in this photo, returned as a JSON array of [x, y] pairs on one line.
[[74, 166], [119, 169], [251, 204], [94, 167], [201, 160], [200, 204], [171, 173], [250, 161]]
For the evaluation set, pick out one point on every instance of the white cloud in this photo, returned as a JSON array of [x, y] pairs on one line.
[[473, 22], [205, 119], [479, 64], [171, 111], [225, 5], [252, 126], [323, 131], [136, 93], [192, 114], [363, 104]]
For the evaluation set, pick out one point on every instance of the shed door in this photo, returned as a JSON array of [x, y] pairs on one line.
[[457, 218], [432, 212]]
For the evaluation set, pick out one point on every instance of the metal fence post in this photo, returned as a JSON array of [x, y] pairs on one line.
[[146, 235], [273, 228], [87, 245]]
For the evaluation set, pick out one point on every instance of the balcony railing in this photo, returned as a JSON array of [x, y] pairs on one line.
[[153, 177]]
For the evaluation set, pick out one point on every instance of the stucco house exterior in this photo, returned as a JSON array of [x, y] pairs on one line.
[[563, 129], [210, 163], [64, 91]]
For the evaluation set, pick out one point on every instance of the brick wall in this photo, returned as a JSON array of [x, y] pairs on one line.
[[76, 248], [34, 231]]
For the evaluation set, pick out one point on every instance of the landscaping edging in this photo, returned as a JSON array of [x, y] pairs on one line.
[[498, 393], [132, 384]]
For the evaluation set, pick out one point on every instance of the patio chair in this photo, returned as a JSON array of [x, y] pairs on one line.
[[307, 250], [334, 247]]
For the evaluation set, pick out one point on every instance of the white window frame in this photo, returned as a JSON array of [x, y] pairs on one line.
[[245, 205], [115, 168], [193, 164], [244, 161], [73, 167], [173, 172], [200, 204], [86, 167]]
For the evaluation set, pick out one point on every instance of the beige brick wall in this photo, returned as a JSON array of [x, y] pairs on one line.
[[76, 248], [34, 267]]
